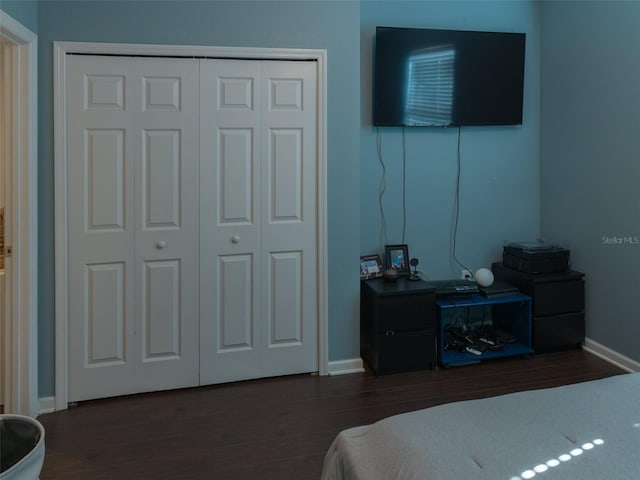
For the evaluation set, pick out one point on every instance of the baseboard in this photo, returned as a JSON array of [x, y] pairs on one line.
[[343, 367], [339, 367], [47, 405], [611, 356]]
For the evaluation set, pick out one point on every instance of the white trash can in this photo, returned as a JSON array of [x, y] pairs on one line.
[[21, 447]]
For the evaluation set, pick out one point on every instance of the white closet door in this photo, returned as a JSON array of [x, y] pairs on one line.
[[289, 306], [193, 224], [230, 176], [258, 219], [133, 227], [167, 224], [101, 226]]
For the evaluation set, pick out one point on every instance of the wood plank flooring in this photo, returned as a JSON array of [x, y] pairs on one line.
[[276, 428]]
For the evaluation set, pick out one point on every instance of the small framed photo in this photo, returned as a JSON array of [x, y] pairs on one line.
[[370, 267], [397, 258]]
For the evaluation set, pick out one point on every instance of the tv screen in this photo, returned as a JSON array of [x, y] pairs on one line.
[[427, 77]]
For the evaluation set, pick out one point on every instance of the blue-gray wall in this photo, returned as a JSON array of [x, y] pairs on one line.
[[323, 24], [590, 157], [23, 11], [500, 180], [576, 188]]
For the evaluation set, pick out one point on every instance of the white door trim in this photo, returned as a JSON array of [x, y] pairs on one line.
[[60, 50], [21, 328]]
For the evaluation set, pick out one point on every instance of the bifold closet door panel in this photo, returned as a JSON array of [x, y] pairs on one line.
[[167, 234], [100, 153], [132, 130], [230, 178], [258, 219], [289, 230]]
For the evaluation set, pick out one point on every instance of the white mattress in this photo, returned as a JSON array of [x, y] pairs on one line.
[[585, 431]]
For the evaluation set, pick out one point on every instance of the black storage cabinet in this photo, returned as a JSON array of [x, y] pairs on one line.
[[398, 326], [558, 305]]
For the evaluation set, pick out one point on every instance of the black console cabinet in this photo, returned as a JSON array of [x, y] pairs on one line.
[[558, 305], [398, 326]]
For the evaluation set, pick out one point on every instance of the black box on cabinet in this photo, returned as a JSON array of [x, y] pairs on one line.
[[397, 325], [553, 259]]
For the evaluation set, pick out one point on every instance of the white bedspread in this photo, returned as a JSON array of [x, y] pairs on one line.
[[585, 431]]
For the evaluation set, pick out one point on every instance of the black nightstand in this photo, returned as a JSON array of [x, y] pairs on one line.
[[398, 325], [558, 305]]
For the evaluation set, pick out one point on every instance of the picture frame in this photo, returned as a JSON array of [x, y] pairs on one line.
[[370, 267], [397, 258]]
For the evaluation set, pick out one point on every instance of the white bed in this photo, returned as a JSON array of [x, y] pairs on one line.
[[584, 431]]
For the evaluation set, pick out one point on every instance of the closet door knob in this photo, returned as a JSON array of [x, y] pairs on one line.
[[235, 239], [161, 244]]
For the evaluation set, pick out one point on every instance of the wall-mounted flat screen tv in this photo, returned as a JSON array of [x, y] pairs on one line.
[[428, 77]]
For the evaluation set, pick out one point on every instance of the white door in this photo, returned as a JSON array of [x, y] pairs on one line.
[[132, 136], [192, 222], [5, 79], [258, 219]]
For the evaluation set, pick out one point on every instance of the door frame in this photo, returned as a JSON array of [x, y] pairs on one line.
[[60, 51], [21, 266]]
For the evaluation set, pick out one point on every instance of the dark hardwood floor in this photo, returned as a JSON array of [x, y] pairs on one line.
[[274, 428]]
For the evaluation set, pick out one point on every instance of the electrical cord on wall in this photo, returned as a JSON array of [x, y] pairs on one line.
[[457, 205], [404, 185], [382, 190], [383, 186]]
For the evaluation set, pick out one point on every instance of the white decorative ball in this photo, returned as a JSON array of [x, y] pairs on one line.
[[483, 277]]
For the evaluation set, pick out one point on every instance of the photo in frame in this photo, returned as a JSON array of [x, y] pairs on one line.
[[397, 258], [370, 267]]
